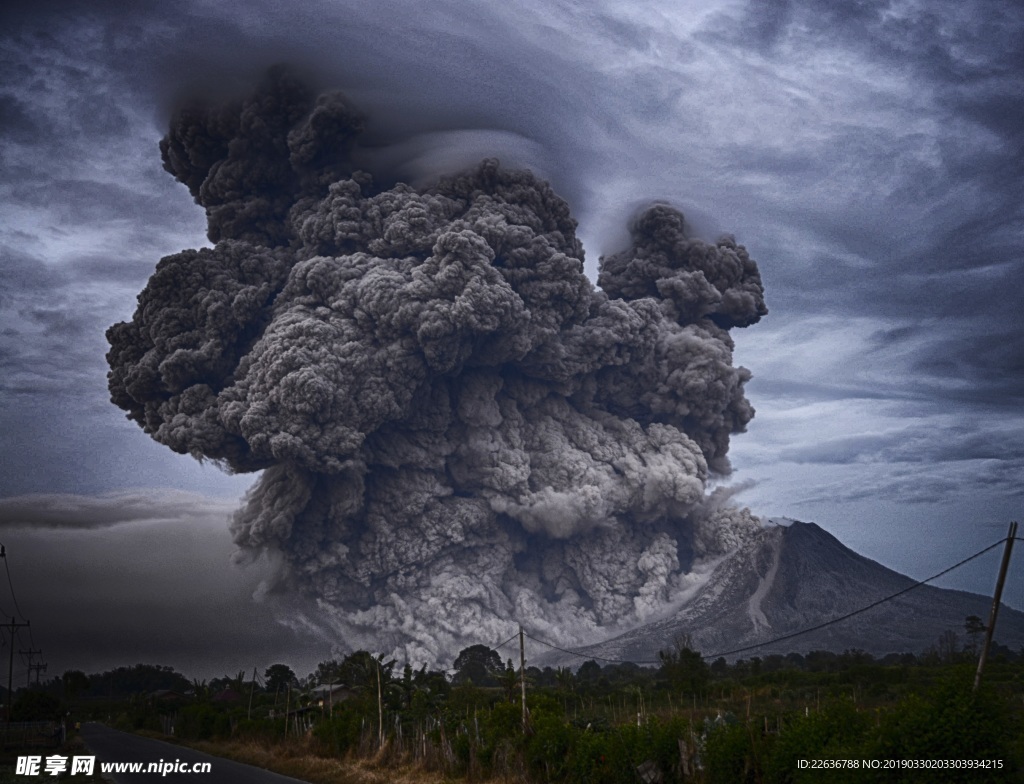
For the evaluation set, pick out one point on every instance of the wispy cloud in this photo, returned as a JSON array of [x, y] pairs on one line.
[[68, 511]]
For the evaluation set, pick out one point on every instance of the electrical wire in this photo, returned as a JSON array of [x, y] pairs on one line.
[[589, 656], [501, 644], [11, 584]]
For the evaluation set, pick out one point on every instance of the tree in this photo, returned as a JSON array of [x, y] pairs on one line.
[[233, 682], [75, 682], [328, 672], [589, 672], [360, 670], [201, 689], [510, 681], [565, 680], [685, 669], [821, 661], [35, 705], [478, 665], [948, 646], [138, 678], [279, 676], [975, 628]]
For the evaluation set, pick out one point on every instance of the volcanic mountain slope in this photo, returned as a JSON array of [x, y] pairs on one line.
[[789, 578]]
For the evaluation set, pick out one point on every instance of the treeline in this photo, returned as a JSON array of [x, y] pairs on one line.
[[685, 720]]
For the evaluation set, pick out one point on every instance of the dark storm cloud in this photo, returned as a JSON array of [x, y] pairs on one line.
[[48, 338], [823, 389], [946, 42], [76, 202], [484, 73], [968, 61], [83, 207], [965, 358], [915, 444], [935, 239], [995, 480], [16, 122], [24, 274], [63, 72]]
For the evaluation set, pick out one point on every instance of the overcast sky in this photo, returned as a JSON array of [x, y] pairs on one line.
[[868, 155]]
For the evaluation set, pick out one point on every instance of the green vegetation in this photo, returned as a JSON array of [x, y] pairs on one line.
[[752, 720]]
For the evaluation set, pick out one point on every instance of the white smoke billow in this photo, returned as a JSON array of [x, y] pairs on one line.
[[457, 431]]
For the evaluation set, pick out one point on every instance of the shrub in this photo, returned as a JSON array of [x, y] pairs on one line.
[[202, 722], [547, 750], [339, 733], [839, 732], [731, 755], [948, 722], [35, 705]]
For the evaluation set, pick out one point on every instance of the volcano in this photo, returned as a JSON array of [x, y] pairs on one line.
[[795, 576]]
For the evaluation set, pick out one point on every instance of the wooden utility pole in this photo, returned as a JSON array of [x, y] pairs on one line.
[[287, 702], [13, 626], [252, 691], [380, 711], [28, 673], [1010, 536], [522, 672], [37, 668]]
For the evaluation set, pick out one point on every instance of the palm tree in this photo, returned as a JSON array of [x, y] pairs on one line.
[[201, 689]]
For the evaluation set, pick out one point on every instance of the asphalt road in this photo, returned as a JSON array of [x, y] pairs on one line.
[[113, 746]]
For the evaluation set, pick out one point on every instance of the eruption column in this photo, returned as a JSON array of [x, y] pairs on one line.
[[455, 429]]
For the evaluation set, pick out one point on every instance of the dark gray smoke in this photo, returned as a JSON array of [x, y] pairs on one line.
[[456, 430]]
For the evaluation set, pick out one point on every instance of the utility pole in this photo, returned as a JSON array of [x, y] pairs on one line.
[[252, 690], [380, 711], [37, 668], [287, 701], [522, 672], [13, 626], [28, 673], [1010, 536]]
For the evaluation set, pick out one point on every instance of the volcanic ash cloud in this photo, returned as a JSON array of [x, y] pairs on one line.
[[456, 430]]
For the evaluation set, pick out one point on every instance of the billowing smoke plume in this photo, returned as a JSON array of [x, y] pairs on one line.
[[456, 430]]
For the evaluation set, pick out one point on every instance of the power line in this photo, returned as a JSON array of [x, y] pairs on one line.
[[3, 556], [7, 569], [502, 644], [589, 656]]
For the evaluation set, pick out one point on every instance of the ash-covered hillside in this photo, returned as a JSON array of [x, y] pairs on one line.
[[791, 577]]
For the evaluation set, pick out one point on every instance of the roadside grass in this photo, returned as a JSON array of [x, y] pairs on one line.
[[298, 758], [302, 763]]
